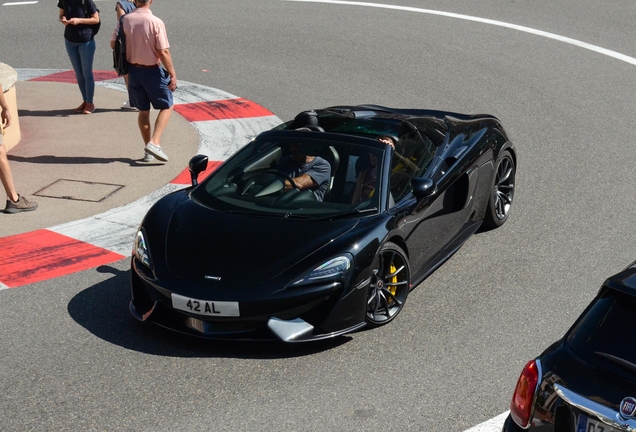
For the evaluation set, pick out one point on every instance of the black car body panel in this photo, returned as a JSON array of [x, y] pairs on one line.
[[590, 374], [270, 257], [270, 260]]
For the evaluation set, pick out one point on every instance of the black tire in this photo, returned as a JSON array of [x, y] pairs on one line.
[[390, 285], [502, 192]]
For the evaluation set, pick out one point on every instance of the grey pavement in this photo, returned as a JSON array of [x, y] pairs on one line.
[[74, 165]]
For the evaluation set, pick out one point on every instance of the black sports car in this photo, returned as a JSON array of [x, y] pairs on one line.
[[585, 382], [252, 252]]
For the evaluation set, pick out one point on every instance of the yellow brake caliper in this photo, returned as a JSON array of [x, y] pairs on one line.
[[392, 287]]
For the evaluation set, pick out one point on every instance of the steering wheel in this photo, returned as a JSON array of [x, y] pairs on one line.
[[283, 176]]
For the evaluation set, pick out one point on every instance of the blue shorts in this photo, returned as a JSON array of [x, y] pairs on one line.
[[149, 86]]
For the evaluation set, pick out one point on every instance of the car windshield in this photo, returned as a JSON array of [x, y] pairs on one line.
[[345, 176], [603, 335]]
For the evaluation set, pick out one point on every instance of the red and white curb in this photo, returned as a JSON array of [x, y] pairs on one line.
[[225, 123]]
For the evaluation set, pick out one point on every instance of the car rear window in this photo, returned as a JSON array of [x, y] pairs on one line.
[[604, 334]]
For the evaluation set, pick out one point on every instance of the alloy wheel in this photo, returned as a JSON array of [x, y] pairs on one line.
[[390, 285], [504, 187]]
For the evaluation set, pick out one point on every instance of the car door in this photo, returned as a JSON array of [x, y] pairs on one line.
[[434, 224]]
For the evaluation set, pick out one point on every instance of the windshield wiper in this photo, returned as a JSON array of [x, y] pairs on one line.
[[291, 215], [629, 366], [351, 213], [251, 213]]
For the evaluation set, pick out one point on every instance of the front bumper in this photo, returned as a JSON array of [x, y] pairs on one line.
[[295, 317]]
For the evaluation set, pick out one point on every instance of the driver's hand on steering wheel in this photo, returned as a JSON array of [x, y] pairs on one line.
[[289, 186]]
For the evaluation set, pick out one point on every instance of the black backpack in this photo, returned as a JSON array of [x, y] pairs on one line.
[[119, 52]]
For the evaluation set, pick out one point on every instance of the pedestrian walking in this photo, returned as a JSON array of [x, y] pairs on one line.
[[122, 8], [151, 74], [80, 18], [15, 202]]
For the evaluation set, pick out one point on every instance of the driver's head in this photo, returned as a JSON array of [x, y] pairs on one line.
[[294, 151]]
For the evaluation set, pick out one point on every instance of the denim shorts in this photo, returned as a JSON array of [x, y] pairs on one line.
[[149, 86]]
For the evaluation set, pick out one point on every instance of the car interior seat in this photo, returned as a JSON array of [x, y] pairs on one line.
[[307, 120], [330, 154]]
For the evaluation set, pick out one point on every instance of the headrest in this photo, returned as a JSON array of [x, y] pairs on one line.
[[305, 119]]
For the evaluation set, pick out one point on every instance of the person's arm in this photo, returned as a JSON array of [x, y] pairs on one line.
[[5, 116], [302, 182], [120, 13], [166, 60], [314, 177], [61, 18], [94, 19]]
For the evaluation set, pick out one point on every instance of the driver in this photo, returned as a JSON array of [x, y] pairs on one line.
[[307, 172]]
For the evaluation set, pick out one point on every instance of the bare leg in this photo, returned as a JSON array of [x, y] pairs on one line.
[[5, 175], [144, 125], [160, 125]]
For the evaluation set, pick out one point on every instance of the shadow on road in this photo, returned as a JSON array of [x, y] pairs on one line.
[[75, 160], [103, 310], [60, 112]]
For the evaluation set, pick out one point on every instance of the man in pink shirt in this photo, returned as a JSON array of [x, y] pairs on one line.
[[148, 83]]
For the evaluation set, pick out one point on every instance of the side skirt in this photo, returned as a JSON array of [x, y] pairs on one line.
[[446, 253]]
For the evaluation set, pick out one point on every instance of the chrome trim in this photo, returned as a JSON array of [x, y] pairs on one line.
[[290, 330], [603, 413]]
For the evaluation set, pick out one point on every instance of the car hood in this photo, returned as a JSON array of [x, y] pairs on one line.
[[242, 250]]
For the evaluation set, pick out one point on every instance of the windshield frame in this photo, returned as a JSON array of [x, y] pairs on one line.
[[256, 157]]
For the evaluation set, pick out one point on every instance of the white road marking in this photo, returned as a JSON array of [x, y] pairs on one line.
[[581, 44], [492, 425], [19, 3]]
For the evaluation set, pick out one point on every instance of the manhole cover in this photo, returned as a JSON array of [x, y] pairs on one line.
[[78, 190]]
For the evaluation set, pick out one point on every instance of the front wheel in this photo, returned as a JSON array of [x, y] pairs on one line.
[[502, 193], [390, 285]]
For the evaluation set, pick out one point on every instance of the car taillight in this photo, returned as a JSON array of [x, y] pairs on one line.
[[523, 397]]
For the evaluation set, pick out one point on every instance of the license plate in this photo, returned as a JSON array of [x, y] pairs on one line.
[[205, 307], [587, 424]]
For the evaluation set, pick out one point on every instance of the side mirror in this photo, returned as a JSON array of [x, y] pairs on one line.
[[197, 165], [423, 187]]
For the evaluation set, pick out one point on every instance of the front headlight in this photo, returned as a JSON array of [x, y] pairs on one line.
[[140, 249], [332, 269]]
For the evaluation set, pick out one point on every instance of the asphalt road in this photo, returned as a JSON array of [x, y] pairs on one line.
[[72, 358]]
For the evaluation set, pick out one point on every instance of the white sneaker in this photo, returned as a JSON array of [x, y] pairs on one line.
[[148, 158], [156, 151], [127, 106]]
